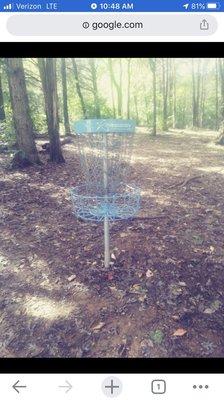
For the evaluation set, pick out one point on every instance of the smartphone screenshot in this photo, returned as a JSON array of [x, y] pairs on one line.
[[111, 199]]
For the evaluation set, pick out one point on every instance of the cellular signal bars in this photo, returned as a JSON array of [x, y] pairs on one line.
[[8, 7]]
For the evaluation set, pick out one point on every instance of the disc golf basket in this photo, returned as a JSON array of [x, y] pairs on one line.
[[105, 147]]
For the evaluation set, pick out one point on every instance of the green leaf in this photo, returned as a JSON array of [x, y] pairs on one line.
[[156, 336]]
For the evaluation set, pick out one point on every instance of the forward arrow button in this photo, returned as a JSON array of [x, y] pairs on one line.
[[67, 386]]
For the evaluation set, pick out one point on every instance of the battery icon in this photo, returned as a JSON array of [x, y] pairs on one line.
[[213, 6]]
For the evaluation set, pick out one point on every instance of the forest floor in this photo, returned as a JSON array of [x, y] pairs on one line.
[[163, 295]]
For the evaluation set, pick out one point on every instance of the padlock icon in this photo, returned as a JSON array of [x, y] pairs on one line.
[[204, 25]]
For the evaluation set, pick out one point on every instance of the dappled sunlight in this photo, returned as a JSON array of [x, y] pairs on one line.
[[135, 159], [16, 175], [43, 307], [60, 297], [176, 160], [95, 149], [210, 169], [215, 148], [52, 190], [3, 260], [46, 187], [169, 151], [164, 200], [200, 133]]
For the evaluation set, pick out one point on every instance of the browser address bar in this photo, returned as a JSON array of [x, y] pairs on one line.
[[106, 24]]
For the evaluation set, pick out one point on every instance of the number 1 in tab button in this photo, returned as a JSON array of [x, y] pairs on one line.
[[158, 387]]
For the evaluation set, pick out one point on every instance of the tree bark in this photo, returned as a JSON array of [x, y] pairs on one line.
[[112, 91], [221, 75], [65, 97], [95, 87], [129, 87], [78, 88], [2, 108], [117, 86], [220, 139], [165, 93], [174, 83], [21, 111], [196, 88], [152, 64], [47, 69], [216, 95], [136, 109]]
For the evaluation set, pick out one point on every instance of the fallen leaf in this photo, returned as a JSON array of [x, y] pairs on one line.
[[137, 289], [98, 326], [175, 289], [110, 276], [149, 273], [198, 239], [123, 234], [182, 284], [142, 298], [213, 307], [212, 249], [139, 274], [71, 278], [119, 294], [208, 311], [179, 332]]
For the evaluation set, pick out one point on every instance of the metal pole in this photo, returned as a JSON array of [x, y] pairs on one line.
[[106, 219], [106, 243]]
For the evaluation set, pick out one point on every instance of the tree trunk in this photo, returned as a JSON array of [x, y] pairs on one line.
[[165, 93], [196, 85], [146, 108], [216, 96], [119, 93], [129, 86], [112, 89], [78, 88], [21, 111], [220, 139], [221, 74], [202, 102], [95, 87], [117, 86], [48, 77], [65, 97], [136, 109], [174, 111], [2, 109], [152, 64]]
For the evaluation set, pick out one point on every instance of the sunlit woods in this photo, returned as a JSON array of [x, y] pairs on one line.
[[45, 96], [162, 295]]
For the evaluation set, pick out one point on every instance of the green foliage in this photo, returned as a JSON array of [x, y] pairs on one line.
[[7, 132], [156, 336], [140, 98], [37, 111]]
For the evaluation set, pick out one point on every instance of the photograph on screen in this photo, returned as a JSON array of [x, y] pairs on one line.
[[111, 207]]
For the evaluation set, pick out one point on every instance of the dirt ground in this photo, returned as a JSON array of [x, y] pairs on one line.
[[163, 295]]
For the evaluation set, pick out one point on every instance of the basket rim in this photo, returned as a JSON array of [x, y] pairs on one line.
[[135, 191]]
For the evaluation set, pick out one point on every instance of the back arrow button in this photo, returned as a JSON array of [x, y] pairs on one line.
[[17, 387]]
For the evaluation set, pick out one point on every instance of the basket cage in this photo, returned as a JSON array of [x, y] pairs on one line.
[[115, 146], [105, 148]]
